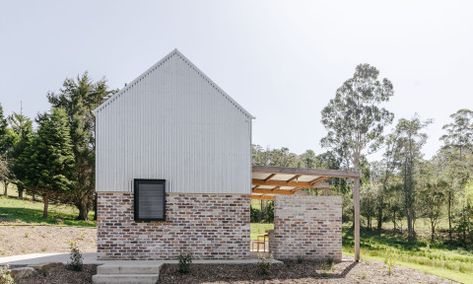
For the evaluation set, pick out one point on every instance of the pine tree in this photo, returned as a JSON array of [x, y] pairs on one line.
[[51, 158], [6, 142], [78, 98], [23, 130]]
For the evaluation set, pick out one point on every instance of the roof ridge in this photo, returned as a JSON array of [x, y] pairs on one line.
[[213, 84], [136, 80], [156, 66]]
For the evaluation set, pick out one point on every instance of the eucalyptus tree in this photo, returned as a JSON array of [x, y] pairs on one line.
[[432, 193], [355, 119], [79, 98], [458, 145], [279, 157], [407, 153], [308, 159]]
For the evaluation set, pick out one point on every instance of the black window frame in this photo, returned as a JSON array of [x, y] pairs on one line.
[[136, 183]]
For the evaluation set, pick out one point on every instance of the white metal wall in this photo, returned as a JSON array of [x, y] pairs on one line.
[[173, 123]]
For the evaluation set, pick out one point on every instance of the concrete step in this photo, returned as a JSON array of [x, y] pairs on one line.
[[137, 268], [125, 278]]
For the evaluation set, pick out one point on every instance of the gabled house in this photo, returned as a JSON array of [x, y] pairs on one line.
[[173, 167]]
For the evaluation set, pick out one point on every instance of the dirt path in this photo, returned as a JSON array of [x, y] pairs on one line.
[[16, 240]]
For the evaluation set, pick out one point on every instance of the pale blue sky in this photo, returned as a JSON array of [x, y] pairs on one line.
[[282, 60]]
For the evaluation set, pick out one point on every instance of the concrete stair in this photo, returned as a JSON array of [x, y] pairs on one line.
[[128, 272]]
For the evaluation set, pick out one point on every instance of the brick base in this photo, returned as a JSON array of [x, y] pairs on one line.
[[307, 227], [210, 226]]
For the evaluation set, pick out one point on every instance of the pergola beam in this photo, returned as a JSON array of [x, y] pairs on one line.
[[293, 178], [317, 180], [306, 171], [262, 197], [282, 183], [273, 191]]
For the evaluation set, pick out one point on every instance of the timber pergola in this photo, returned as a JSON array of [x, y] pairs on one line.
[[268, 182]]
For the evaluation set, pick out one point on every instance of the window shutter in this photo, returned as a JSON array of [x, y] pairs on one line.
[[150, 199]]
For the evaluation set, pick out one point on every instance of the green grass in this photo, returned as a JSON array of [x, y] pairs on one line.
[[26, 212], [258, 229], [438, 259]]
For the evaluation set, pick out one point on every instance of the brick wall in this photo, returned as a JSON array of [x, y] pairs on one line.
[[211, 226], [308, 227]]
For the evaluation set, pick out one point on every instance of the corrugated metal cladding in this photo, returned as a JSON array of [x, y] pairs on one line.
[[173, 123]]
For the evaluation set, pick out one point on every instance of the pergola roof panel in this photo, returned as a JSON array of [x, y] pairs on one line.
[[279, 180]]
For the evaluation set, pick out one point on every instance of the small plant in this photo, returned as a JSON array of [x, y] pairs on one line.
[[185, 261], [5, 275], [26, 235], [264, 265], [75, 256], [328, 264], [389, 261], [300, 259]]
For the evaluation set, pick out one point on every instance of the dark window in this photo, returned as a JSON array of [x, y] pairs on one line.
[[150, 199]]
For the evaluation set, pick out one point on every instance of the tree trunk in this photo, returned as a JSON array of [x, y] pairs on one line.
[[20, 192], [394, 220], [5, 187], [45, 205], [410, 226], [449, 210], [464, 227], [432, 226], [379, 219], [83, 210]]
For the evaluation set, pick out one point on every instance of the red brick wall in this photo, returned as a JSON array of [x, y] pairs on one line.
[[210, 226], [307, 227]]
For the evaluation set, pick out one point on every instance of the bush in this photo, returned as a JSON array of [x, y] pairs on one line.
[[5, 275], [264, 265], [328, 264], [300, 259], [263, 216], [75, 256], [185, 261]]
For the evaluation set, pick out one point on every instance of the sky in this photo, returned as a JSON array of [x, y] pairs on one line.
[[281, 60]]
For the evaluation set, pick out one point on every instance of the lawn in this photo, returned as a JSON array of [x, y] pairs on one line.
[[258, 229], [14, 211], [448, 262]]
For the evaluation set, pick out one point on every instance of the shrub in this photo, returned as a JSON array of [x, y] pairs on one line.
[[264, 265], [75, 256], [185, 261], [300, 259], [328, 264], [5, 275], [263, 216]]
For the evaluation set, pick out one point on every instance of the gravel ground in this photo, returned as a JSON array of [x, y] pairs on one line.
[[16, 240], [57, 273], [292, 272]]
